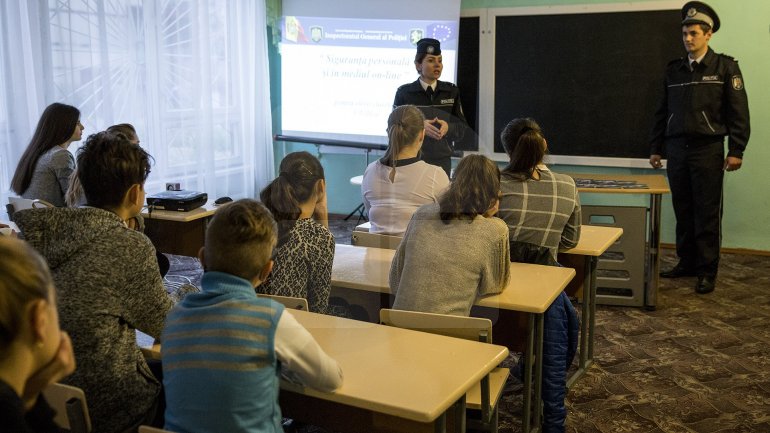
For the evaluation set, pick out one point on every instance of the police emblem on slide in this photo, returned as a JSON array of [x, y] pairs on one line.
[[415, 35], [316, 33], [737, 82]]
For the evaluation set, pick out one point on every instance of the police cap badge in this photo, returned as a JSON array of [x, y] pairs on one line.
[[700, 13], [429, 46]]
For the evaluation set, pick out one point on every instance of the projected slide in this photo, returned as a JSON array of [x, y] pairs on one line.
[[339, 75]]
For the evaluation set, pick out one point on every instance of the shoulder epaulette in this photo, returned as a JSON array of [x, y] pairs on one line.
[[675, 61], [725, 56]]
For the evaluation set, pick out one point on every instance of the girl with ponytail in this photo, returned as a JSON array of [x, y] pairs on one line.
[[305, 250], [400, 182], [541, 207], [542, 211]]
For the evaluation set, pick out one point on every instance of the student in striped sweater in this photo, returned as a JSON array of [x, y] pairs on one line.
[[222, 347]]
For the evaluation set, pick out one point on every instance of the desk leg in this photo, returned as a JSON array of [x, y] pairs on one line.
[[587, 321], [528, 362], [460, 421], [539, 327], [653, 266], [592, 323], [440, 424]]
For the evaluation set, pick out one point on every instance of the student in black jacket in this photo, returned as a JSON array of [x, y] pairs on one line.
[[440, 103], [34, 352], [705, 100]]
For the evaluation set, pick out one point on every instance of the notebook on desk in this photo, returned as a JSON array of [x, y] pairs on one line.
[[180, 201]]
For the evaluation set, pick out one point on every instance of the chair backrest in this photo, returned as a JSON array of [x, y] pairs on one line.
[[16, 204], [69, 402], [148, 429], [289, 302], [375, 240], [469, 328]]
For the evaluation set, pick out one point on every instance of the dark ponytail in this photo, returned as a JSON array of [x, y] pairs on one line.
[[524, 143], [296, 182]]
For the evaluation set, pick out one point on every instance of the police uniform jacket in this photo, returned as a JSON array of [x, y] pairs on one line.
[[445, 105], [708, 102]]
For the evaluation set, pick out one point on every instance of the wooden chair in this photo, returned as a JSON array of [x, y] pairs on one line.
[[16, 204], [148, 429], [484, 396], [289, 302], [376, 240], [69, 402]]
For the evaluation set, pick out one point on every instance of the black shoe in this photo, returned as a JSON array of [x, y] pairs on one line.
[[678, 271], [705, 285]]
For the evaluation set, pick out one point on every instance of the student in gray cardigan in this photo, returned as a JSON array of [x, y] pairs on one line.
[[107, 280], [455, 251], [45, 166]]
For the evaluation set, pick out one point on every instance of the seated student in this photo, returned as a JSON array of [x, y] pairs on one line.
[[541, 208], [34, 352], [45, 166], [108, 281], [74, 196], [542, 211], [396, 185], [454, 251], [222, 347], [303, 259]]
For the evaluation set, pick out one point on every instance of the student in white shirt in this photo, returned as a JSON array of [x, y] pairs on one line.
[[400, 182]]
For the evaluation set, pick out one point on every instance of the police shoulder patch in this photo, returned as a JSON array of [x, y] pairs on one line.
[[737, 81]]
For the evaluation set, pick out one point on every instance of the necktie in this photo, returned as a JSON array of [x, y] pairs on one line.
[[429, 92], [693, 65]]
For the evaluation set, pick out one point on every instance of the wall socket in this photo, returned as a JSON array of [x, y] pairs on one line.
[[173, 186]]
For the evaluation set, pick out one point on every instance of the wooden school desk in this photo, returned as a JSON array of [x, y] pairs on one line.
[[594, 241], [395, 380], [657, 185], [531, 290], [181, 233]]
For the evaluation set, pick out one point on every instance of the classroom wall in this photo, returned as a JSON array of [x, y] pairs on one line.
[[745, 34]]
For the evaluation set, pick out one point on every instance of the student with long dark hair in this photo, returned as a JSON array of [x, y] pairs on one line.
[[397, 184], [456, 250], [305, 250], [45, 166], [542, 211], [541, 208], [34, 352]]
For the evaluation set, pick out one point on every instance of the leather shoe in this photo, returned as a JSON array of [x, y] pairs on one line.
[[705, 285], [678, 271]]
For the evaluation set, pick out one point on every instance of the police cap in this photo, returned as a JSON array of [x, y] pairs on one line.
[[700, 13], [429, 46]]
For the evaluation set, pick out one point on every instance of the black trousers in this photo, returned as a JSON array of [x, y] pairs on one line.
[[695, 174]]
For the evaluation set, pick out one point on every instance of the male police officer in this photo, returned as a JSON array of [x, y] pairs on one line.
[[705, 100], [439, 101]]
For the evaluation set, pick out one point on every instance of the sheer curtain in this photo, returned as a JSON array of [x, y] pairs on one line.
[[190, 75]]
